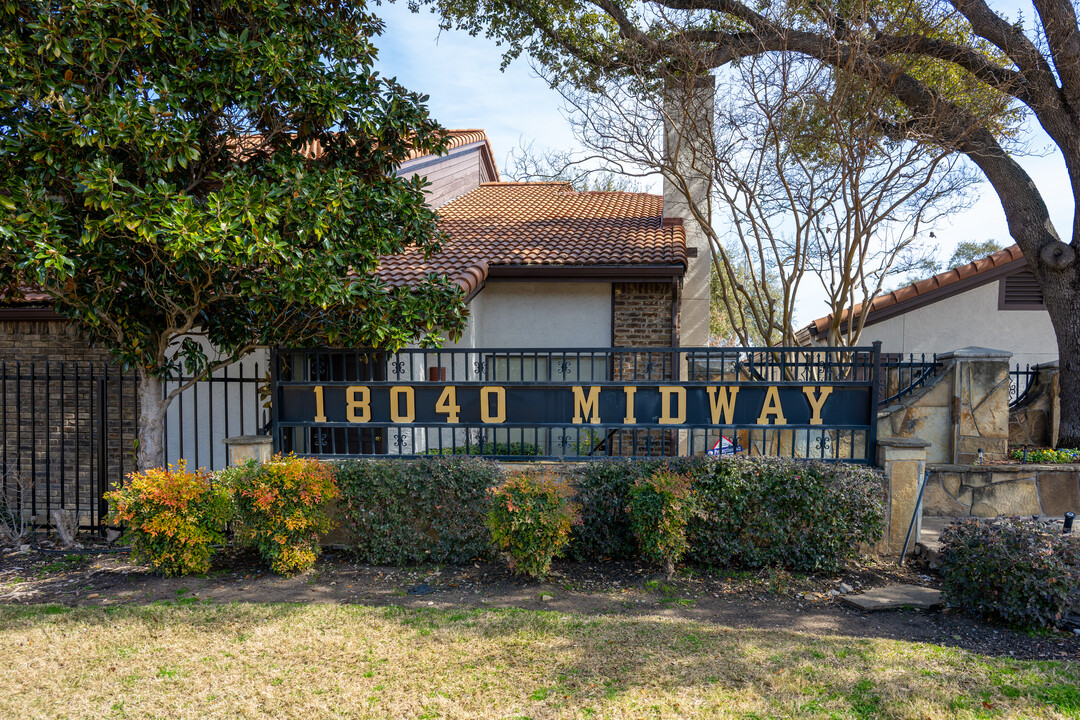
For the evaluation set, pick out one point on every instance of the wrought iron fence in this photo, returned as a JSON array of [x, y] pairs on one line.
[[419, 391], [68, 432], [1020, 382], [900, 377], [234, 400]]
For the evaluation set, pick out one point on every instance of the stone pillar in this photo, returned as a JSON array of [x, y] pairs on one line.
[[980, 403], [241, 448], [904, 461]]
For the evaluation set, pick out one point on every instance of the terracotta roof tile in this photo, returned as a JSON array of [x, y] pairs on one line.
[[909, 293], [538, 224]]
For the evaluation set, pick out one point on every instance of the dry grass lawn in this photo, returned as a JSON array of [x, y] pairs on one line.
[[334, 661]]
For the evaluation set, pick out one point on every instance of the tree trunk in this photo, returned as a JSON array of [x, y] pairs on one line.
[[151, 450], [1067, 328]]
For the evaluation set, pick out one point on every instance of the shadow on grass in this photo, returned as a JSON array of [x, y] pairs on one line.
[[657, 666]]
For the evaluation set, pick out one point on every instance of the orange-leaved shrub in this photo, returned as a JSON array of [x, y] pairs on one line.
[[173, 517], [531, 518], [281, 508]]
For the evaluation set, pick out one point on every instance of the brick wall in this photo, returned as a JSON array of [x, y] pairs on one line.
[[641, 314], [641, 317], [63, 406]]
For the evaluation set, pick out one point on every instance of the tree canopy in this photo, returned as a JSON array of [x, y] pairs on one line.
[[957, 74], [181, 175]]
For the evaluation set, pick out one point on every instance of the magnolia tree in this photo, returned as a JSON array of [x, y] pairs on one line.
[[187, 181]]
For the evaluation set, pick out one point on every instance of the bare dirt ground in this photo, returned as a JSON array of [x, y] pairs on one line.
[[765, 599]]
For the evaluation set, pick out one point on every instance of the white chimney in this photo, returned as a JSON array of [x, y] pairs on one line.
[[688, 160]]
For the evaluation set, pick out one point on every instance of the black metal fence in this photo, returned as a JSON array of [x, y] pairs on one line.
[[234, 400], [900, 376], [1021, 379], [524, 375], [69, 431], [68, 434]]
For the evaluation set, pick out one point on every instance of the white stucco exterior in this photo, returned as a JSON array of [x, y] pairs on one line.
[[967, 319], [539, 315]]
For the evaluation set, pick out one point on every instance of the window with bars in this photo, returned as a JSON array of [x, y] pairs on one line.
[[1020, 291]]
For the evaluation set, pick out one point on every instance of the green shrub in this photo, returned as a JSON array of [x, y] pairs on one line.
[[1017, 570], [281, 508], [660, 507], [1048, 455], [409, 511], [514, 449], [531, 518], [803, 516], [173, 517], [603, 495]]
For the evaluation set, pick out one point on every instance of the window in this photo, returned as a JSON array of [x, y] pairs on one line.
[[1020, 291]]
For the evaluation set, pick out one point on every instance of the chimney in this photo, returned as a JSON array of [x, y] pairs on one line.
[[688, 161]]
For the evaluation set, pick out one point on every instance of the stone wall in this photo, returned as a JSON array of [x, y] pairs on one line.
[[54, 394], [963, 409], [993, 490], [1035, 419]]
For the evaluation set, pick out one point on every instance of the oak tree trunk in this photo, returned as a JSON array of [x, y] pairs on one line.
[[1063, 301], [151, 450]]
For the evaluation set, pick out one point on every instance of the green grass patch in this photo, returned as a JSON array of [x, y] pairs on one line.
[[293, 660]]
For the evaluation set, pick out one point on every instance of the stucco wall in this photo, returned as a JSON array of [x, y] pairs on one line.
[[540, 314], [968, 319]]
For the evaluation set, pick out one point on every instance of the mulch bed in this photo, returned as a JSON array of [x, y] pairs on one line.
[[767, 599]]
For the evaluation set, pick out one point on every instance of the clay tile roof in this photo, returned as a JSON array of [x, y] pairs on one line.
[[458, 138], [538, 224], [919, 290]]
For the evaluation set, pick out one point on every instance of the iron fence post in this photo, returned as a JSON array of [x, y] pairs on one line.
[[875, 398]]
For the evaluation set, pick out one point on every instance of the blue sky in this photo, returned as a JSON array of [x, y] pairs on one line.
[[467, 89]]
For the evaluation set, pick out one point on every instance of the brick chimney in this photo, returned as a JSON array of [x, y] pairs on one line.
[[688, 160]]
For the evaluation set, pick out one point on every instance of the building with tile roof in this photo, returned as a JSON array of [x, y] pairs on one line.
[[993, 302], [541, 265]]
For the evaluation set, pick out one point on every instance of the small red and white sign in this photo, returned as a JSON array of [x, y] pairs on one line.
[[724, 446]]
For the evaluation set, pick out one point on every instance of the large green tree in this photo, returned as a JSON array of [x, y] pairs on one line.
[[945, 65], [189, 180]]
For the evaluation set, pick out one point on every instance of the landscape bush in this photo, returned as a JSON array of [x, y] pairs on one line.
[[603, 495], [172, 517], [531, 518], [802, 516], [426, 510], [660, 507], [282, 508], [1021, 571]]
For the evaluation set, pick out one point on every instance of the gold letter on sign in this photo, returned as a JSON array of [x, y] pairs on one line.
[[447, 404], [395, 404], [583, 406], [666, 391], [352, 404], [722, 400], [485, 404], [320, 411], [817, 399], [630, 419], [771, 406]]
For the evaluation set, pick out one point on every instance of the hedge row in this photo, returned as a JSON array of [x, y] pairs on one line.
[[754, 512]]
